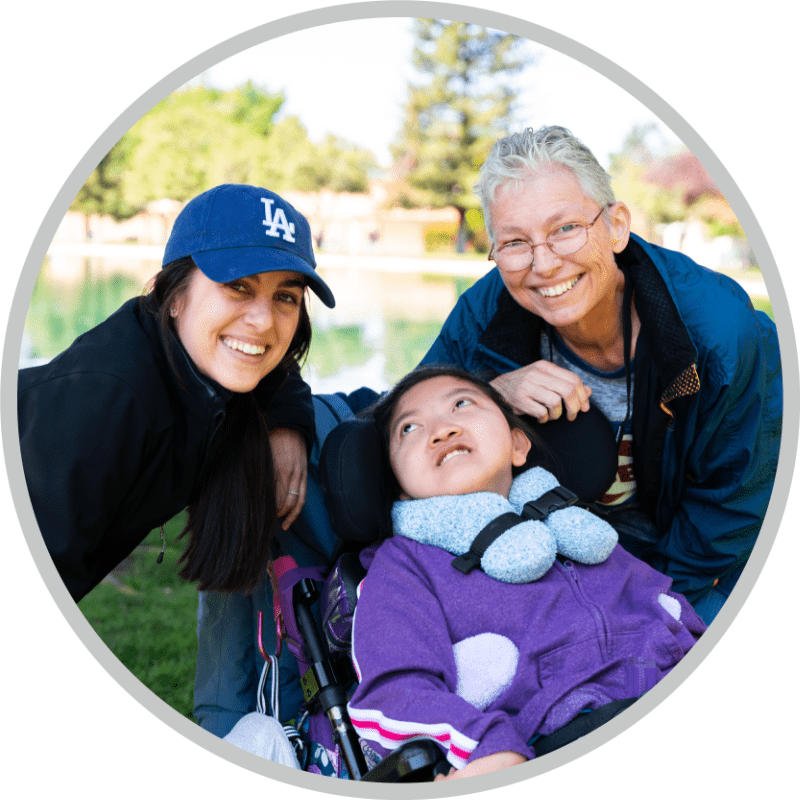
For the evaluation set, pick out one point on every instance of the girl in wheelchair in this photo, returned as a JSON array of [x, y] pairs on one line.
[[540, 618]]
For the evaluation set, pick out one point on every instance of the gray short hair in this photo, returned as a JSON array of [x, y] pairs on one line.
[[514, 158]]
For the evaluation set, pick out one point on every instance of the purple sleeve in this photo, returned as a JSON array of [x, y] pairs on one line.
[[404, 659]]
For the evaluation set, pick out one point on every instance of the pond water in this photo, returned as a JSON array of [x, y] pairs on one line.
[[383, 323]]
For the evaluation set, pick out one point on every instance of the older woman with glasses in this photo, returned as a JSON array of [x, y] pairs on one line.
[[580, 312]]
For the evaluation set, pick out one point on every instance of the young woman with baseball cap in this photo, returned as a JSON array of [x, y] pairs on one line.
[[187, 396]]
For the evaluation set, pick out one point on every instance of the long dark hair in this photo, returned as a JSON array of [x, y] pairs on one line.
[[383, 411], [233, 512]]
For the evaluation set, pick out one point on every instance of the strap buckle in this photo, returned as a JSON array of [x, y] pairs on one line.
[[554, 500]]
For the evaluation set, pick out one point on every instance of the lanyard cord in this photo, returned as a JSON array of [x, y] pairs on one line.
[[627, 337]]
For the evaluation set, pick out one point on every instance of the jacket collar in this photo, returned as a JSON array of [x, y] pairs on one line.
[[197, 394], [513, 331], [672, 347]]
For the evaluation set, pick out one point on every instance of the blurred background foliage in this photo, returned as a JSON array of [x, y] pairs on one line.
[[464, 97], [462, 104], [199, 137]]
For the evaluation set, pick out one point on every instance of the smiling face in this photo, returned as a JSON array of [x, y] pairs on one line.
[[446, 437], [564, 290], [237, 333]]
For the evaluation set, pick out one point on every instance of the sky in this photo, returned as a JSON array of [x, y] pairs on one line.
[[352, 78]]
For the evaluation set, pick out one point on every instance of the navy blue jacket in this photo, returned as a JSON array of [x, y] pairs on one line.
[[707, 402], [113, 447]]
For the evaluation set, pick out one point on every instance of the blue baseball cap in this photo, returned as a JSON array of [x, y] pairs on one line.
[[235, 230]]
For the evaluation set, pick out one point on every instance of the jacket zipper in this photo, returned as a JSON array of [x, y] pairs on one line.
[[599, 620]]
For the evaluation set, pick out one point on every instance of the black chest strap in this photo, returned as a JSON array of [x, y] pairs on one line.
[[493, 531], [539, 509]]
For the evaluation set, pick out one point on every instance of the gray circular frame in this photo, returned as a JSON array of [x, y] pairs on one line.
[[292, 24]]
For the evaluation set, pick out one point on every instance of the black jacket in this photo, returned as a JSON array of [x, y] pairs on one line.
[[112, 445]]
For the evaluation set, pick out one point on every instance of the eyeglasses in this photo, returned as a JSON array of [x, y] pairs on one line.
[[563, 241]]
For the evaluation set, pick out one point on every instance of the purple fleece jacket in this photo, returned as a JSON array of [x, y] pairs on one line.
[[481, 666]]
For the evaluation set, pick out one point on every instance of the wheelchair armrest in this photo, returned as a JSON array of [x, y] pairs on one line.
[[414, 762]]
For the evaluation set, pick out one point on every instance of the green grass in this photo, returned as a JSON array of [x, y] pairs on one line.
[[149, 619]]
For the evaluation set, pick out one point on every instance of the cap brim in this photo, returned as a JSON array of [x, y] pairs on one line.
[[232, 263]]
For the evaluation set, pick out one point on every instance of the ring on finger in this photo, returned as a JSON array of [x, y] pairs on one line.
[[291, 492]]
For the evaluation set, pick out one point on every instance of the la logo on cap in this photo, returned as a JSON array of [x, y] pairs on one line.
[[277, 220]]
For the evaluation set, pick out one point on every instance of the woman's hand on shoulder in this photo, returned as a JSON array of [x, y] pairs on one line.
[[290, 461], [540, 388]]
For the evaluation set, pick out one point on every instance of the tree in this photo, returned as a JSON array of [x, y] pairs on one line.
[[452, 119], [292, 161], [346, 166], [200, 137], [255, 107], [103, 192], [650, 205], [191, 141]]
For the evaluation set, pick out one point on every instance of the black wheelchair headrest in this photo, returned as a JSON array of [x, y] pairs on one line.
[[351, 475], [582, 454]]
